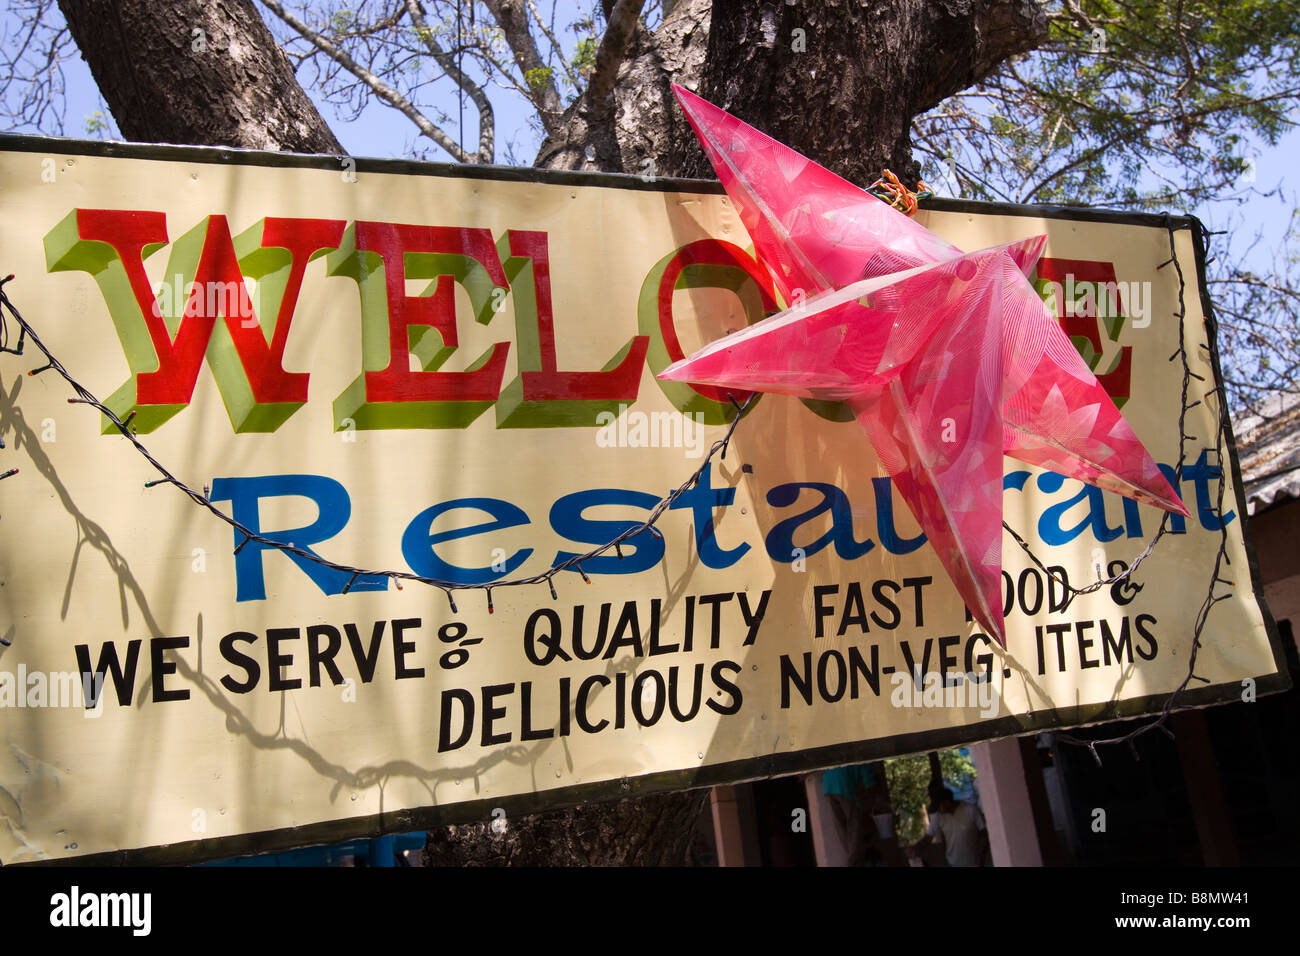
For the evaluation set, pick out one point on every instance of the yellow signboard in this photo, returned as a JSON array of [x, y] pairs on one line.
[[449, 373]]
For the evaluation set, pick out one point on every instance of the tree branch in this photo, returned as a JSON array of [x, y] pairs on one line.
[[381, 89], [486, 120], [539, 84], [1077, 15], [574, 79], [190, 71], [613, 48]]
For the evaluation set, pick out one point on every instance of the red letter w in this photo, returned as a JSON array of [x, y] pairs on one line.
[[166, 334]]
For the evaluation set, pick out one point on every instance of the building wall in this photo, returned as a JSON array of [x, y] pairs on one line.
[[1276, 534]]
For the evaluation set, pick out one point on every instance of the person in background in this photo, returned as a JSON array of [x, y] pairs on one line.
[[848, 788], [960, 827]]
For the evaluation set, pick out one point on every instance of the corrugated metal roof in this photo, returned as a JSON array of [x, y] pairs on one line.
[[1268, 447]]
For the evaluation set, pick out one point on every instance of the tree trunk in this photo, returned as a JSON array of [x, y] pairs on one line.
[[839, 80], [636, 132], [195, 72], [650, 831]]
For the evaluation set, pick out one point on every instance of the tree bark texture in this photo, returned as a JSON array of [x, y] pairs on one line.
[[838, 80], [228, 85]]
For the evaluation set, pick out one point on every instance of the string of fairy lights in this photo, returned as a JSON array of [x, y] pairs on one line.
[[245, 535], [547, 577], [1221, 558]]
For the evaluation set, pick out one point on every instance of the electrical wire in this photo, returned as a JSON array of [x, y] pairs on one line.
[[85, 397]]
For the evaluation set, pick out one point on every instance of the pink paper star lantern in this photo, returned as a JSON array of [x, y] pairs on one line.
[[948, 359]]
